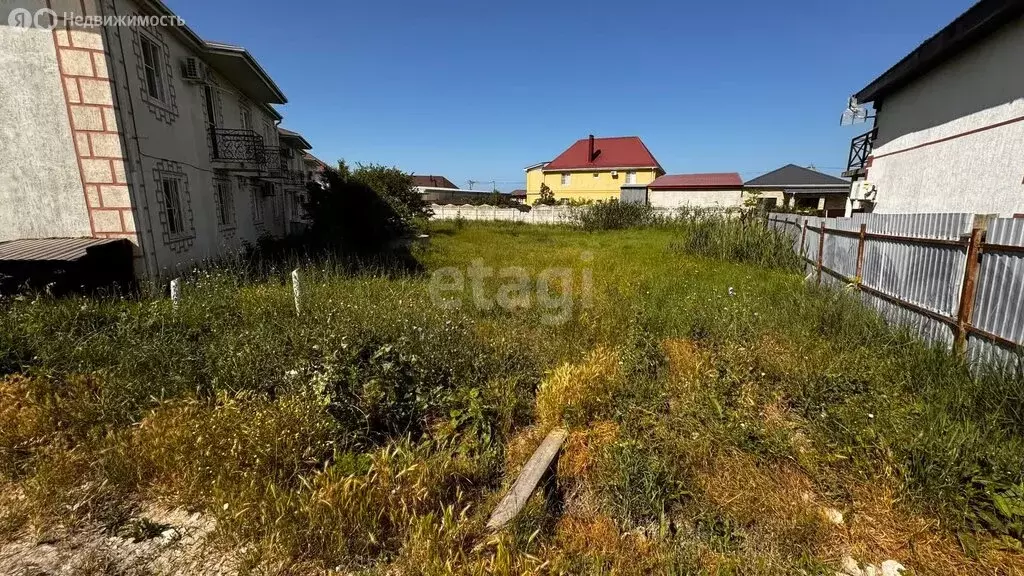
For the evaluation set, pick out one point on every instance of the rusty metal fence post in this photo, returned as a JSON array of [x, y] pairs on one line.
[[861, 238], [821, 249], [969, 289]]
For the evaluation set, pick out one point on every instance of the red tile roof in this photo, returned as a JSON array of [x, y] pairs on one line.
[[518, 193], [620, 152], [429, 181], [697, 181]]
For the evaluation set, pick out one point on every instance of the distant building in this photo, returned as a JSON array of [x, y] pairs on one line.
[[716, 190], [440, 190], [948, 131], [594, 169], [519, 196], [430, 181], [801, 188]]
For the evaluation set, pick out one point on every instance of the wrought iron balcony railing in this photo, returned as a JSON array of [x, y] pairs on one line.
[[860, 150], [243, 146]]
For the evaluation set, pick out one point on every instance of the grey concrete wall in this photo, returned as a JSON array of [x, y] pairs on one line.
[[977, 169], [41, 191]]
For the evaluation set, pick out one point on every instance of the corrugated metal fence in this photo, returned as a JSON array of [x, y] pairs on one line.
[[934, 273]]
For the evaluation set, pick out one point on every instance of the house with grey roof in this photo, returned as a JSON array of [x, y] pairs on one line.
[[801, 188], [948, 133]]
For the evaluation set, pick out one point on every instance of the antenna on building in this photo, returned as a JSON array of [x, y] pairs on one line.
[[471, 183], [855, 113]]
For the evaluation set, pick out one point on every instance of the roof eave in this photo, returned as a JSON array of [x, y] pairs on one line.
[[204, 48], [600, 168], [264, 88], [977, 22], [697, 188]]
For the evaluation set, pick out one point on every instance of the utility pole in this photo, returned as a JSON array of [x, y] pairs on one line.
[[471, 183]]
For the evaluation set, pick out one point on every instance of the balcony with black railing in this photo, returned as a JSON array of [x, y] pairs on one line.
[[243, 147], [860, 152]]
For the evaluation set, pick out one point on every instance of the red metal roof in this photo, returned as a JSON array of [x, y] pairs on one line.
[[619, 152], [697, 181]]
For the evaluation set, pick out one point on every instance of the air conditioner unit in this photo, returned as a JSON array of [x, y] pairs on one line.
[[615, 173], [863, 190], [194, 70]]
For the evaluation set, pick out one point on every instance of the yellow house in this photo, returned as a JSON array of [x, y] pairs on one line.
[[594, 169]]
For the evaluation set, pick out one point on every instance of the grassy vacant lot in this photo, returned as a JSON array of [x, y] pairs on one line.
[[722, 416]]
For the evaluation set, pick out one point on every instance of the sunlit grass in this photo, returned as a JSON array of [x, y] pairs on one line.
[[716, 406]]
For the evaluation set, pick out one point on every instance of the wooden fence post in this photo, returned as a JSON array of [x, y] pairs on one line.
[[297, 291], [175, 292], [860, 254], [821, 249], [968, 289]]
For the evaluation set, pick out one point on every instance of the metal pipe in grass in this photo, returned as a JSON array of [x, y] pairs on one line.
[[175, 292], [297, 291]]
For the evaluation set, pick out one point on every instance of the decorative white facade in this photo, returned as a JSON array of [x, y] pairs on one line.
[[145, 133]]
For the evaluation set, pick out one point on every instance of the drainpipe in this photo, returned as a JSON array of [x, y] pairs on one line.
[[136, 182]]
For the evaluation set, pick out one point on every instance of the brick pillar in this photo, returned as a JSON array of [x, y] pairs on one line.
[[89, 94]]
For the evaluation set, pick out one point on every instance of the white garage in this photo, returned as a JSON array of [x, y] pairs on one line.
[[714, 190]]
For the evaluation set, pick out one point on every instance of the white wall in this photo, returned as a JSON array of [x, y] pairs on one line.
[[695, 198], [981, 172], [40, 184]]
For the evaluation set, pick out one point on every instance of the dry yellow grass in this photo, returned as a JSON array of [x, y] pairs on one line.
[[594, 544], [574, 394], [881, 527], [775, 503]]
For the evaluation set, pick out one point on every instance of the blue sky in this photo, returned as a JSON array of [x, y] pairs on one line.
[[478, 90]]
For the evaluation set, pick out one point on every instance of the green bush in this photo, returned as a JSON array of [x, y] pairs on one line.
[[614, 215], [733, 236]]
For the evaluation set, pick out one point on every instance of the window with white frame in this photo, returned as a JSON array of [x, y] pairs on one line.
[[152, 58], [172, 206], [565, 179], [225, 205], [631, 177]]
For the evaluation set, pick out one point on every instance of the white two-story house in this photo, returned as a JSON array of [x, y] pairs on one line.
[[948, 132], [137, 129]]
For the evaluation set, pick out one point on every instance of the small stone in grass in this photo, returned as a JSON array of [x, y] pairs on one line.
[[892, 568], [834, 516]]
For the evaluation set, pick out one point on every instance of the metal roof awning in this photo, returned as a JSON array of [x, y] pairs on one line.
[[51, 249], [818, 191]]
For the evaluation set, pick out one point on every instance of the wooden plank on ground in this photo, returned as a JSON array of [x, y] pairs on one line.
[[526, 484]]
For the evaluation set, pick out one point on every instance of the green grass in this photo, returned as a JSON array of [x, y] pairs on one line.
[[716, 405]]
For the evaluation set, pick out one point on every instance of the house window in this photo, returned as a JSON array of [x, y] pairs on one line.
[[257, 205], [172, 206], [225, 204], [246, 119], [565, 179], [151, 59], [630, 177]]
